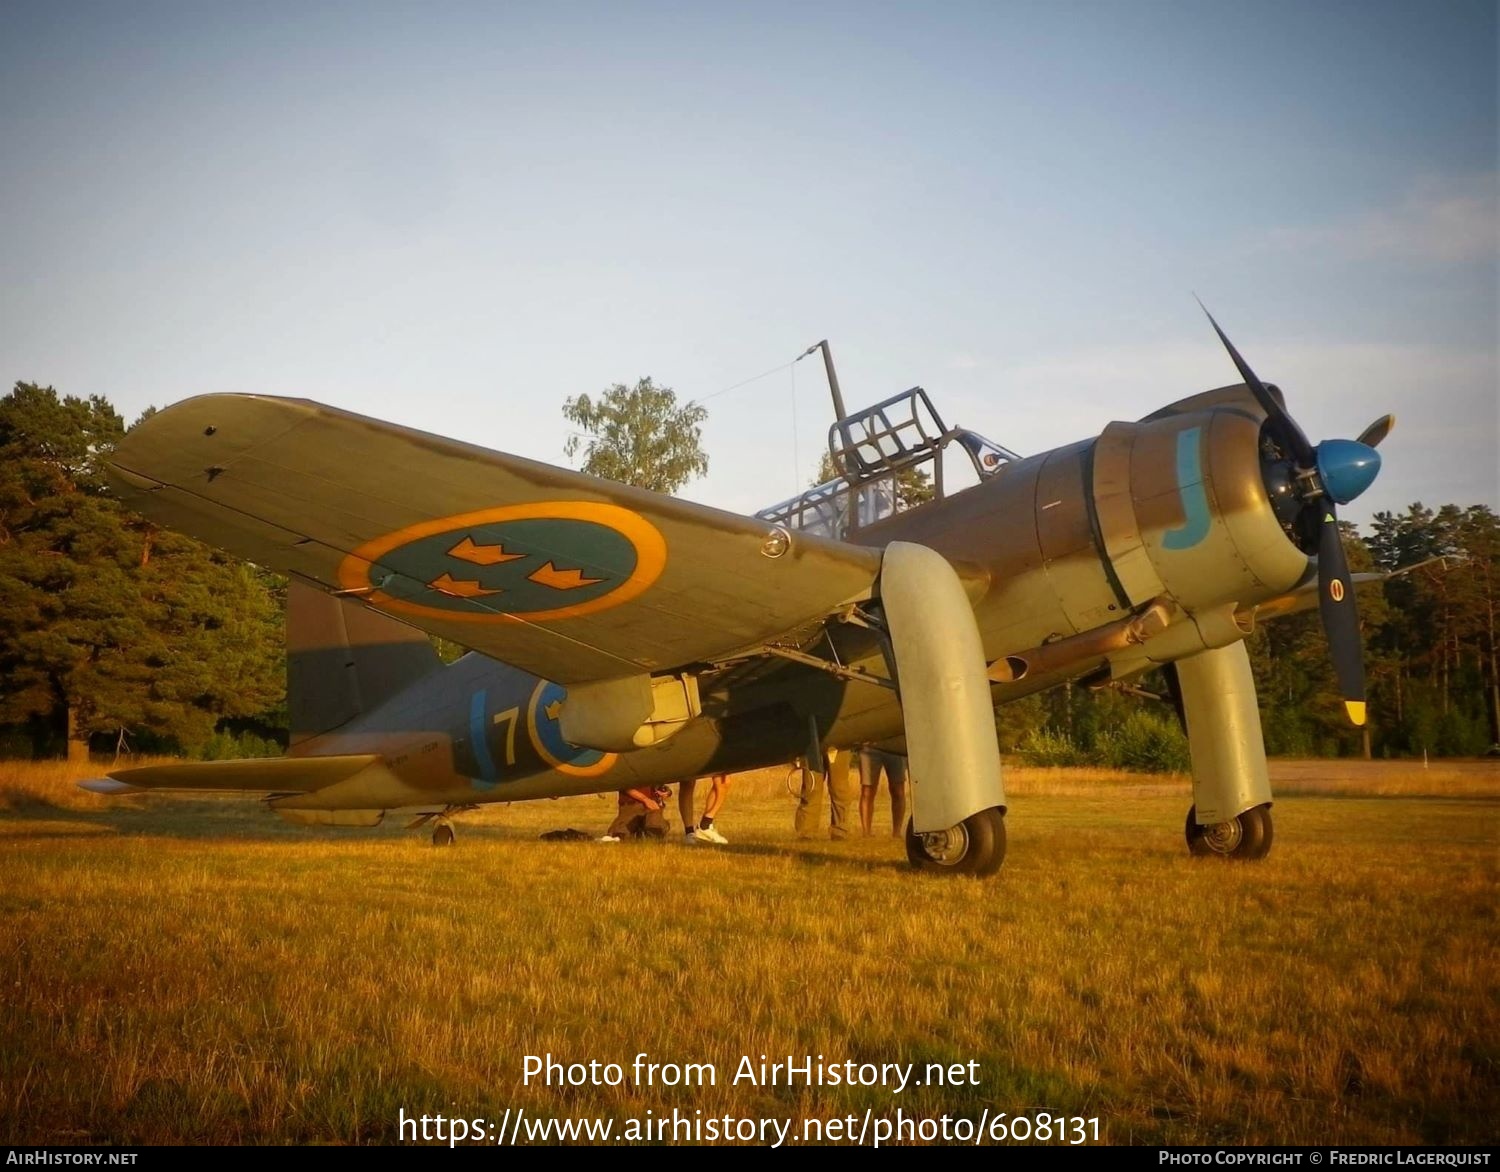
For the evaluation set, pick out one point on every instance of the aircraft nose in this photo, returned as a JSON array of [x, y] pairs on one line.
[[1346, 468]]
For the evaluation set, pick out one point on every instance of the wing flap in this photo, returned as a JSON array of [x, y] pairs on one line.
[[558, 573]]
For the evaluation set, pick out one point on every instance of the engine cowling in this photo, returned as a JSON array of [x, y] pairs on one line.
[[1184, 510]]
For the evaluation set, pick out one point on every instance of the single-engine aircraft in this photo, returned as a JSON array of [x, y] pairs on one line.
[[621, 637]]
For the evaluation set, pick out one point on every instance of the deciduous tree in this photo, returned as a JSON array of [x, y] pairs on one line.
[[638, 435]]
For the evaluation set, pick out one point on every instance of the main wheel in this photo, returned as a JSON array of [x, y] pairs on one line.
[[1245, 837], [442, 835], [976, 846]]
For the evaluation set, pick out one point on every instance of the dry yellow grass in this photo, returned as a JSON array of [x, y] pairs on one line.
[[197, 971], [50, 785]]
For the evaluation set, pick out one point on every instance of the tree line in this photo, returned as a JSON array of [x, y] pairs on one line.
[[116, 635]]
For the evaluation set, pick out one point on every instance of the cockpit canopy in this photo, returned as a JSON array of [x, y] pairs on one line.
[[872, 449]]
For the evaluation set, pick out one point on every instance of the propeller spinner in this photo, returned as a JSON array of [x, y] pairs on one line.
[[1305, 489]]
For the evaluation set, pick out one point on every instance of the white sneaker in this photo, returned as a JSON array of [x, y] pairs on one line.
[[709, 834], [609, 838], [689, 836]]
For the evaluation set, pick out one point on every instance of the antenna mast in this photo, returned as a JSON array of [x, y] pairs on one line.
[[833, 379]]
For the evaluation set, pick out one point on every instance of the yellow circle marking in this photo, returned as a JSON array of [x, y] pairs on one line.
[[600, 766], [1336, 590], [650, 558]]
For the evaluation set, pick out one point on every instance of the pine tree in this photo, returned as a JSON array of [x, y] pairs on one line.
[[108, 625]]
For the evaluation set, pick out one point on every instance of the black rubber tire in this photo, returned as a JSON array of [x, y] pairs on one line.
[[1246, 837], [442, 836], [976, 846]]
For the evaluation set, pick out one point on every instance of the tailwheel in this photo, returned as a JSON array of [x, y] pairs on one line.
[[442, 827], [1246, 837], [976, 846]]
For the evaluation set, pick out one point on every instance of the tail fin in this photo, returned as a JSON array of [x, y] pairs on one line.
[[343, 659]]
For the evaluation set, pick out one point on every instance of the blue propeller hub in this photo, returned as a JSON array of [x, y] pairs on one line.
[[1346, 468]]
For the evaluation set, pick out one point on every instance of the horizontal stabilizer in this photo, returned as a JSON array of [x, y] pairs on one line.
[[107, 786], [251, 775]]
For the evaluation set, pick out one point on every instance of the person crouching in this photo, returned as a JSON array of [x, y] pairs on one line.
[[641, 814]]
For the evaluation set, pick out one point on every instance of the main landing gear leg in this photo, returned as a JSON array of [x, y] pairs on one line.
[[958, 800], [1231, 813]]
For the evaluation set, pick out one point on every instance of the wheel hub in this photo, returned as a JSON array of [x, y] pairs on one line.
[[1223, 837], [947, 847]]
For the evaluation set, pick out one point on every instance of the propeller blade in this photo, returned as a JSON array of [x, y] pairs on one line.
[[1302, 451], [1340, 619], [1377, 431]]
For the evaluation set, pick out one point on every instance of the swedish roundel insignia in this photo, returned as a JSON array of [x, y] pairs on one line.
[[546, 560]]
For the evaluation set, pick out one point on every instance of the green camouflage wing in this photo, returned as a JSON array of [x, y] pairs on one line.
[[563, 575]]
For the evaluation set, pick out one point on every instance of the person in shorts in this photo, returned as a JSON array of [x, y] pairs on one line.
[[702, 831], [872, 763]]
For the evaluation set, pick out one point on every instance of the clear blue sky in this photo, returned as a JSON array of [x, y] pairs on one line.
[[455, 216]]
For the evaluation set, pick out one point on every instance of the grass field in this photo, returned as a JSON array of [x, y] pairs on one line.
[[199, 972]]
